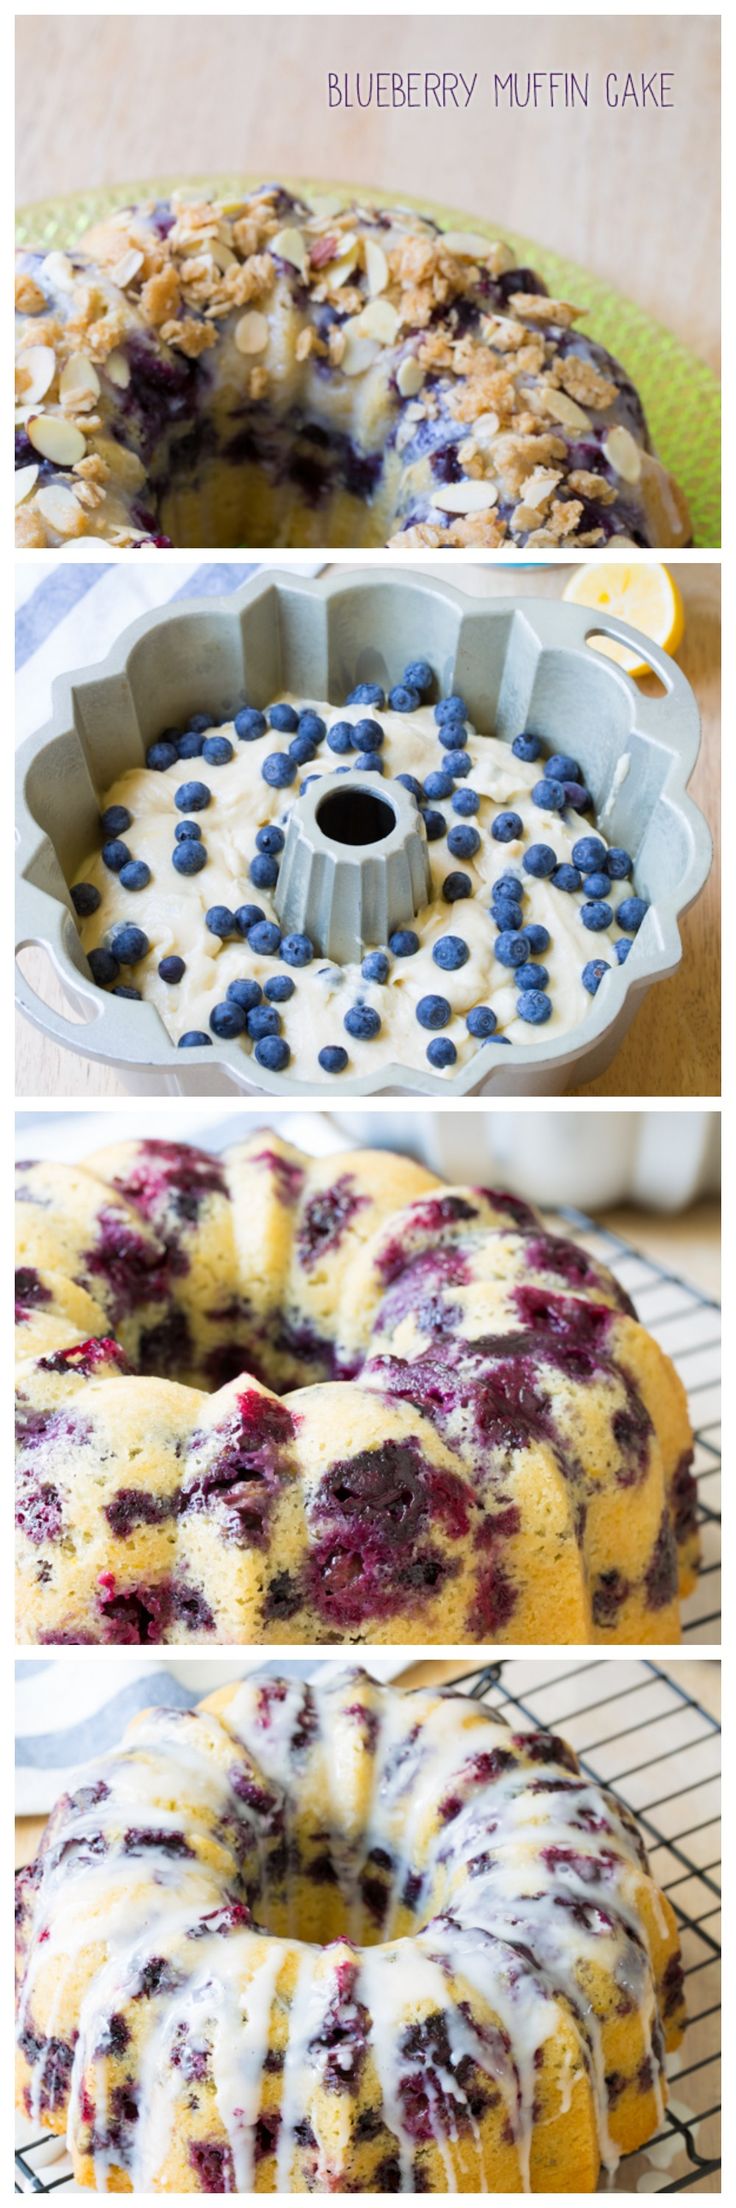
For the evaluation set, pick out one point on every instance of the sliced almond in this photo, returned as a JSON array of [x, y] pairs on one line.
[[34, 373], [251, 333], [339, 272], [117, 368], [79, 378], [467, 245], [222, 255], [485, 428], [128, 266], [380, 320], [289, 245], [410, 376], [376, 267], [60, 509], [566, 410], [24, 481], [359, 352], [465, 498], [57, 439], [623, 455], [58, 268]]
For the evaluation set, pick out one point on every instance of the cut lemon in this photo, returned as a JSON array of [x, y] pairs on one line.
[[645, 596]]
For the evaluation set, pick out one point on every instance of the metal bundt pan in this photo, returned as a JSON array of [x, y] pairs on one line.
[[520, 662]]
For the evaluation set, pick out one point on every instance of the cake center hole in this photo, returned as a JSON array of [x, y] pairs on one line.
[[355, 817]]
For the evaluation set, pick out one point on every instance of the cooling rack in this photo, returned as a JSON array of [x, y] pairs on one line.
[[643, 1735]]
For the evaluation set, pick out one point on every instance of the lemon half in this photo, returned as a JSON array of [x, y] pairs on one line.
[[645, 596]]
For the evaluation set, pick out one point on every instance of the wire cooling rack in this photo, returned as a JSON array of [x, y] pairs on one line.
[[642, 1734], [687, 1324]]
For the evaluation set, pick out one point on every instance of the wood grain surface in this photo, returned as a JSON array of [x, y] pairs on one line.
[[632, 194], [673, 1048]]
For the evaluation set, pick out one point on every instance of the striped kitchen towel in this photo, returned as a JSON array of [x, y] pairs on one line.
[[70, 612], [72, 1711]]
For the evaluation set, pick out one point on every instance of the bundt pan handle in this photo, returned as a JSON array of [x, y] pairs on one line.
[[518, 662]]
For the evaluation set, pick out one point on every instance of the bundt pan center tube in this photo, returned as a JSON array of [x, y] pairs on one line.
[[518, 664], [331, 1938]]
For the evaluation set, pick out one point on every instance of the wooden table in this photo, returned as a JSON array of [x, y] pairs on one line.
[[632, 195], [673, 1048]]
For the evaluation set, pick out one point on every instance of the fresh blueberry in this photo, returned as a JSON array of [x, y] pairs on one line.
[[593, 974], [340, 737], [622, 949], [302, 749], [263, 871], [296, 950], [249, 724], [115, 855], [419, 676], [115, 820], [190, 745], [451, 709], [578, 796], [362, 1022], [368, 736], [221, 921], [376, 966], [538, 938], [192, 797], [160, 756], [507, 827], [193, 1040], [534, 1006], [433, 1012], [273, 1053], [333, 1059], [201, 721], [283, 718], [247, 917], [278, 770], [404, 699], [531, 977], [562, 768], [279, 989], [526, 747], [506, 913], [453, 735], [410, 783], [217, 750], [135, 875], [263, 1019], [631, 912], [618, 863], [463, 842], [187, 831], [567, 877], [312, 725], [481, 1021], [128, 944], [85, 898], [171, 968], [459, 763], [189, 857], [124, 989], [456, 886], [441, 1052], [265, 938], [540, 861], [512, 884], [511, 948], [270, 839], [368, 762], [438, 784], [246, 994], [434, 824], [227, 1021], [464, 802], [549, 795], [367, 693], [596, 915], [589, 854], [403, 943], [103, 967], [449, 952], [597, 885]]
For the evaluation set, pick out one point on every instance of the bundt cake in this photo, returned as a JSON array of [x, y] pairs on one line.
[[263, 1398], [521, 916], [335, 1938], [273, 372]]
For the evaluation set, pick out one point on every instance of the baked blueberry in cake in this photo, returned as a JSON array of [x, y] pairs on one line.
[[278, 371], [269, 1399], [333, 1938], [513, 884]]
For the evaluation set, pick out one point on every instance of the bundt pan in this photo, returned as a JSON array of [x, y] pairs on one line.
[[517, 662]]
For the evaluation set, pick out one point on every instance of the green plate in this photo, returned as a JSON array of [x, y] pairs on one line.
[[681, 396]]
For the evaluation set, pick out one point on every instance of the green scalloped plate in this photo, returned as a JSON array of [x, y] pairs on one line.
[[680, 394]]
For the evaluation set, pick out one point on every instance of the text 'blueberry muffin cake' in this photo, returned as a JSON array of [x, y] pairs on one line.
[[265, 1398], [277, 372], [333, 1938], [485, 909]]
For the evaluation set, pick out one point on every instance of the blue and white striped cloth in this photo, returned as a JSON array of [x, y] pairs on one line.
[[70, 612], [71, 1712]]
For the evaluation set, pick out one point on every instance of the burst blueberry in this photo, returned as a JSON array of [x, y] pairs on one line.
[[631, 912], [463, 842], [534, 1007], [249, 724], [194, 1039], [403, 943], [450, 952], [115, 855], [456, 886], [247, 994], [376, 966], [189, 857], [540, 861], [332, 1058], [511, 947], [265, 938], [278, 770], [217, 750], [481, 1022], [226, 1021], [136, 875], [526, 747], [128, 944], [115, 820], [596, 915], [284, 718], [362, 1022], [593, 973], [85, 898], [441, 1052], [192, 797], [160, 756], [507, 827], [221, 922], [172, 968], [433, 1012]]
